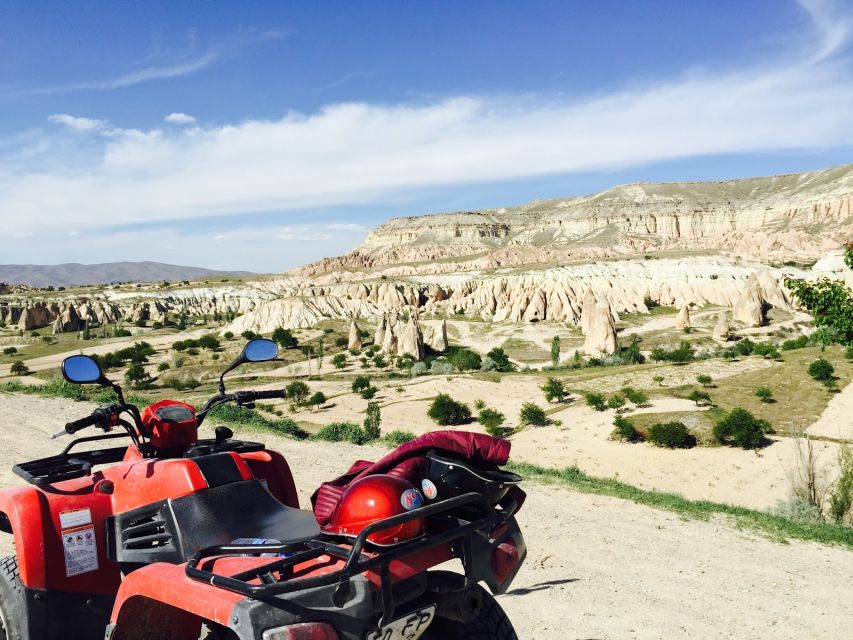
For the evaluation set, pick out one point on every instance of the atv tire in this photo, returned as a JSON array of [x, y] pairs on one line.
[[13, 603], [491, 623]]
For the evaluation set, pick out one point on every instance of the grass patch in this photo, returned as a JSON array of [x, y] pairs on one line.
[[245, 417], [525, 351], [776, 527]]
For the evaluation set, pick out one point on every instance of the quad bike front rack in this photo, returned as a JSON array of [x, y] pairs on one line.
[[260, 582]]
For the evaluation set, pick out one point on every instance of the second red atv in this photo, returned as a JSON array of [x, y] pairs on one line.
[[174, 537]]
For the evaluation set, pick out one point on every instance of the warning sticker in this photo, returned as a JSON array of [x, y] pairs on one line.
[[81, 550], [76, 518]]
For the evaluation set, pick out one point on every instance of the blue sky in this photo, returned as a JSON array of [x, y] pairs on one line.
[[260, 136]]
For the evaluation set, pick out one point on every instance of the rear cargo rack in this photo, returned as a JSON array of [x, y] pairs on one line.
[[461, 527]]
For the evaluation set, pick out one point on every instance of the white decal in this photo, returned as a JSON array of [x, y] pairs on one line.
[[81, 550], [76, 518]]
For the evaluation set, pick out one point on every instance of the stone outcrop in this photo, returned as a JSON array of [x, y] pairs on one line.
[[750, 306], [682, 320], [435, 337], [354, 341], [721, 328], [601, 335], [587, 309]]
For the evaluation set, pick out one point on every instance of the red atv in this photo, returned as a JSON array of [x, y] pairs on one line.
[[175, 537]]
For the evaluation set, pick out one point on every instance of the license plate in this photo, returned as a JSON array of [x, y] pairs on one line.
[[409, 627]]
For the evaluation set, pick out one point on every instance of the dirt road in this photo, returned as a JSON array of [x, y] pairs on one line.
[[598, 567]]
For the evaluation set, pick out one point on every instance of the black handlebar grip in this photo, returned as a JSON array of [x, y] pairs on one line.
[[76, 425], [270, 395]]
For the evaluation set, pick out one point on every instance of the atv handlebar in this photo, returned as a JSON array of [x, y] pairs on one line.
[[242, 398], [99, 417]]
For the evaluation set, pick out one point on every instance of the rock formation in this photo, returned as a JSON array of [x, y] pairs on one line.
[[587, 309], [601, 335], [682, 321], [721, 329], [436, 337], [750, 307], [354, 336]]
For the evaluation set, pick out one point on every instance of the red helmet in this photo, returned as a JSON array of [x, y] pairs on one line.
[[373, 498]]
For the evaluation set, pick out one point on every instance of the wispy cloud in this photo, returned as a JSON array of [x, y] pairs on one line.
[[78, 124], [358, 152], [179, 118]]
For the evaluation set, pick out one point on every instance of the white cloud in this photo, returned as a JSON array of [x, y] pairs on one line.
[[179, 118], [357, 152], [76, 123], [22, 235]]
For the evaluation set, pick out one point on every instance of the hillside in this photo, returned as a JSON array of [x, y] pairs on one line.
[[72, 273], [795, 216]]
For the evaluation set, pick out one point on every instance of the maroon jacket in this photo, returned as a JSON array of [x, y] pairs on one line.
[[407, 461]]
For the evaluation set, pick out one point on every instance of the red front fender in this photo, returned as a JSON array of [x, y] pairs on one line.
[[26, 514]]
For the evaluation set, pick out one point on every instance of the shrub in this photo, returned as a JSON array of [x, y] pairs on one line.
[[555, 352], [554, 390], [821, 370], [534, 415], [182, 384], [177, 362], [339, 360], [342, 432], [672, 435], [616, 401], [501, 359], [683, 353], [699, 397], [228, 335], [397, 437], [10, 351], [841, 498], [764, 394], [479, 404], [595, 400], [418, 369], [163, 366], [795, 343], [137, 376], [297, 391], [624, 430], [248, 334], [492, 421], [285, 338], [632, 354], [739, 428], [373, 421], [636, 397], [441, 367], [19, 368], [767, 350], [444, 410], [368, 393], [463, 359], [704, 379], [744, 347], [379, 362], [658, 379], [797, 509], [209, 342], [341, 341], [360, 383], [849, 352]]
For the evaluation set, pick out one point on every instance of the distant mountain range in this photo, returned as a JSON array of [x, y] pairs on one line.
[[72, 273]]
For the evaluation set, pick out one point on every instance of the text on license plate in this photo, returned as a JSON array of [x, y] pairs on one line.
[[409, 627]]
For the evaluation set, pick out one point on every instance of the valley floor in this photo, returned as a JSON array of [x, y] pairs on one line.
[[598, 567]]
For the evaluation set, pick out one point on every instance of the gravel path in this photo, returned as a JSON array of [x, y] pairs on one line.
[[598, 567]]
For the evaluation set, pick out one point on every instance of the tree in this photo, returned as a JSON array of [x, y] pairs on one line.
[[492, 421], [659, 380], [739, 428], [297, 391], [18, 368], [595, 400], [616, 401], [699, 397], [209, 341], [317, 399], [704, 379], [379, 362], [368, 393], [444, 410], [534, 415], [821, 370], [625, 431], [319, 350], [360, 383], [248, 334], [764, 394], [555, 352], [829, 301], [373, 421], [137, 376], [637, 397], [554, 390], [10, 351], [339, 360]]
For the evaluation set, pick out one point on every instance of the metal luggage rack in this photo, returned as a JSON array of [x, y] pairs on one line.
[[356, 562]]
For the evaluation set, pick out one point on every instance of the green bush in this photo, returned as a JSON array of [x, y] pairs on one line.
[[796, 343], [339, 360], [767, 350], [533, 414], [672, 435], [444, 410], [554, 389], [595, 400], [10, 351], [492, 421], [699, 397], [616, 401], [18, 368], [297, 391], [739, 428], [368, 393], [249, 417], [501, 360], [765, 394], [684, 353], [841, 497], [744, 347], [397, 437], [209, 342], [182, 384], [317, 399], [163, 366], [373, 421], [228, 335], [625, 431], [849, 352], [704, 379], [342, 432], [638, 398], [821, 370], [463, 359], [797, 509]]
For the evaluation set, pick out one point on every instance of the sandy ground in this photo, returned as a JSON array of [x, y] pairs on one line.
[[597, 567], [836, 421]]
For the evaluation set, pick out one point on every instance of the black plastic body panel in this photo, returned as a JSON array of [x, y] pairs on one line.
[[57, 615], [173, 530]]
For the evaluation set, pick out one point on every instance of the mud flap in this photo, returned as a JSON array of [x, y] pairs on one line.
[[496, 561]]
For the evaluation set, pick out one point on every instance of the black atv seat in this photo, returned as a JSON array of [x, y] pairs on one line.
[[175, 529]]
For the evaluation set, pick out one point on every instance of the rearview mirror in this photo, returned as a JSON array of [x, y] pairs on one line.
[[82, 369], [259, 350]]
